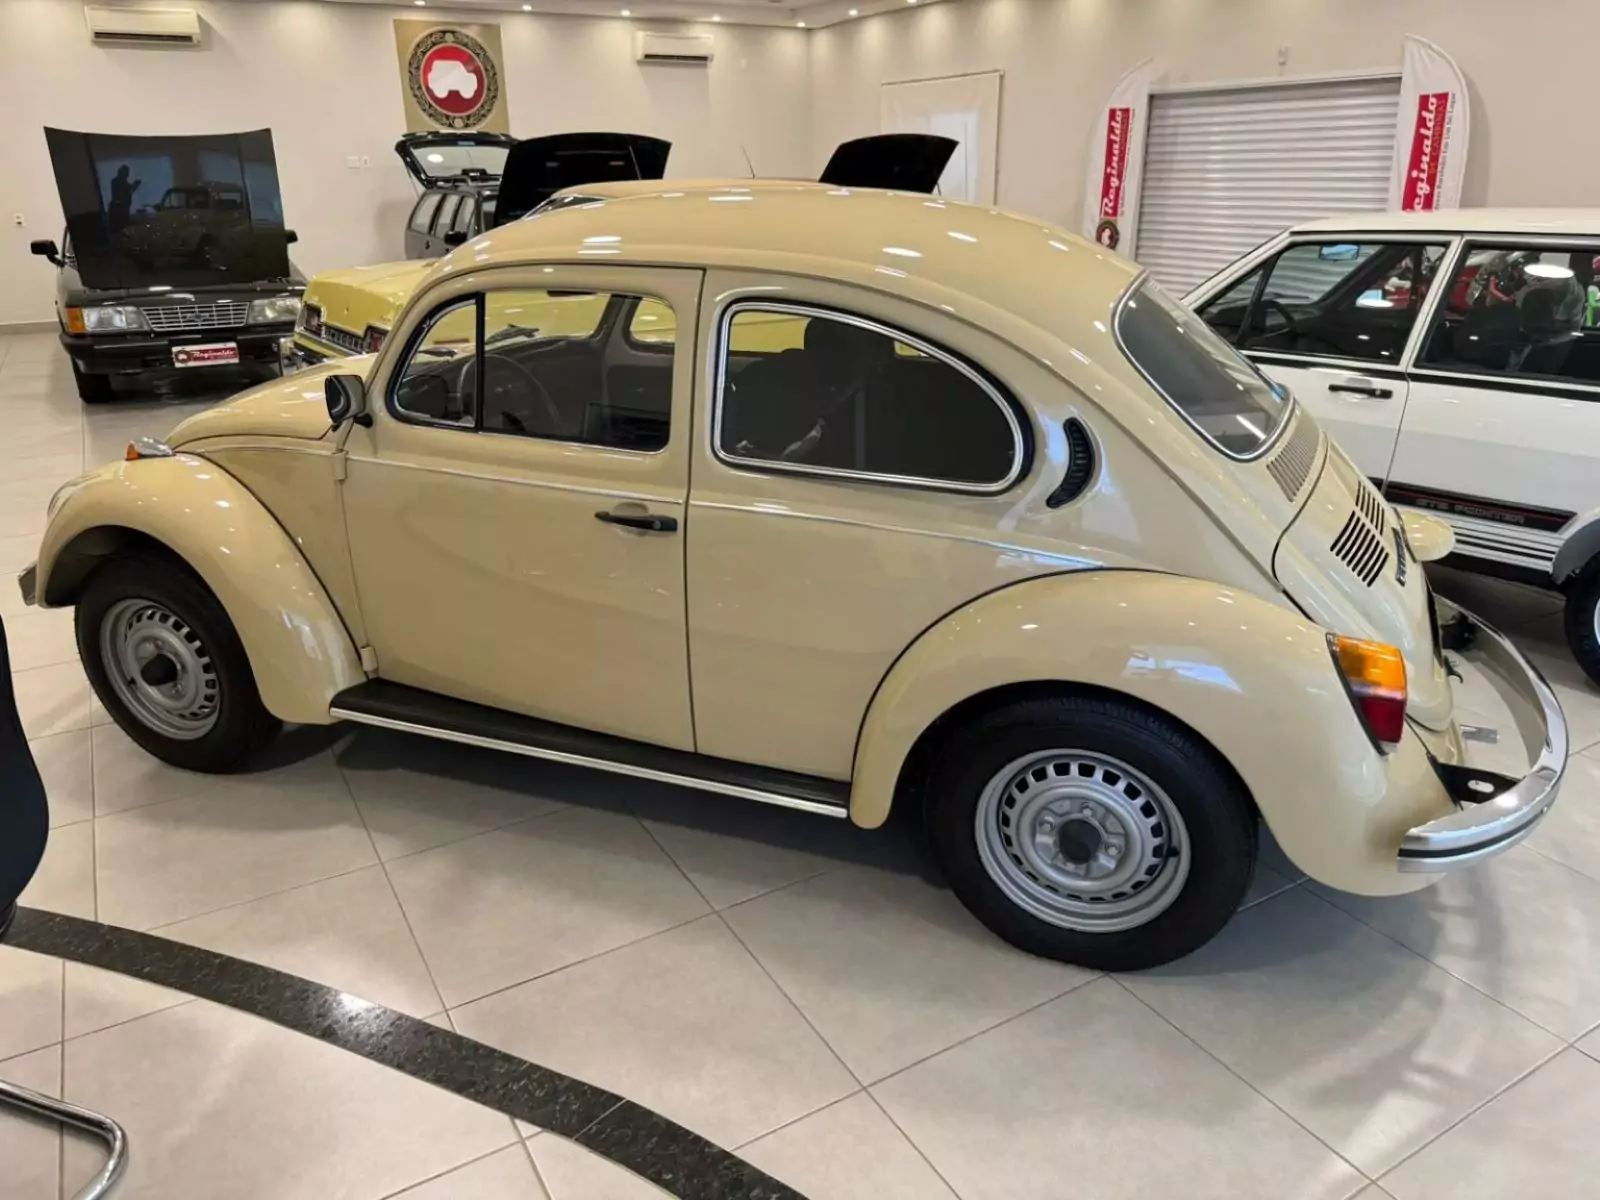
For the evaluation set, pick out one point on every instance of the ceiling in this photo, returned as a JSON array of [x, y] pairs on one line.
[[814, 14]]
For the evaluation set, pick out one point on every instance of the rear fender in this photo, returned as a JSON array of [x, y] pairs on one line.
[[1254, 679], [299, 650]]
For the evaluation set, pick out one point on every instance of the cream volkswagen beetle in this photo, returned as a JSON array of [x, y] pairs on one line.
[[837, 500]]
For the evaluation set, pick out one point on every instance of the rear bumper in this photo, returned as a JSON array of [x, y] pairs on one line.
[[1494, 812], [123, 355]]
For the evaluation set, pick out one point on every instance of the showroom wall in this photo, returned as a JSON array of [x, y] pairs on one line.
[[324, 78], [1528, 67]]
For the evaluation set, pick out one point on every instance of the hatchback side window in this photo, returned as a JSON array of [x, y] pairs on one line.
[[821, 392], [1531, 310], [464, 217], [438, 384], [422, 214], [447, 212], [1334, 300]]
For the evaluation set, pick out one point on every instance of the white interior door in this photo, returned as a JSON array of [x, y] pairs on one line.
[[963, 107]]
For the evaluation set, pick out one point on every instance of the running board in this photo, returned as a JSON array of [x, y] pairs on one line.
[[412, 710]]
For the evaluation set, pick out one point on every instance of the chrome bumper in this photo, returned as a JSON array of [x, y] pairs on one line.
[[294, 357], [28, 582], [1481, 828]]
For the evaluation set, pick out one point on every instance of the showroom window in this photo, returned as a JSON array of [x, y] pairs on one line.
[[541, 364], [821, 392], [422, 215], [1530, 310], [1330, 300]]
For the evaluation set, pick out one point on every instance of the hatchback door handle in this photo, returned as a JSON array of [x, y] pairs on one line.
[[645, 522], [1360, 387]]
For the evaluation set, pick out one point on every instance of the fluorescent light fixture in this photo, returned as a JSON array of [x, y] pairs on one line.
[[902, 252], [962, 237]]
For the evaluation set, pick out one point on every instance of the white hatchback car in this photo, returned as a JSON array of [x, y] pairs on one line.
[[1477, 400]]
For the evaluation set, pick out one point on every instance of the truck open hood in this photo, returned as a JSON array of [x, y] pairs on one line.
[[538, 168], [903, 162], [435, 157]]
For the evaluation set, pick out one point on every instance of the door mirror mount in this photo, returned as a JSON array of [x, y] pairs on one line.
[[46, 248], [455, 237], [347, 399], [290, 237]]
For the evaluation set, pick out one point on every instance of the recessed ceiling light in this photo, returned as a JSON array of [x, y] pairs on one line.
[[527, 8], [855, 12], [716, 16], [627, 12], [799, 24]]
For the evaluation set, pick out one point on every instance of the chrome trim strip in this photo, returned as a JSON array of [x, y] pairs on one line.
[[599, 764], [1484, 830], [1019, 458]]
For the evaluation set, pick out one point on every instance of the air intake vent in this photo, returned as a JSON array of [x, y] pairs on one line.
[[1360, 549], [1402, 552], [1080, 465], [1292, 464], [1371, 505]]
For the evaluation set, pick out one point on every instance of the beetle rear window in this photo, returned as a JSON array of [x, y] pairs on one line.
[[1211, 385]]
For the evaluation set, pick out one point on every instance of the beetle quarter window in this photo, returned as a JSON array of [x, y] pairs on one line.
[[821, 392], [1529, 310], [437, 384], [1206, 380]]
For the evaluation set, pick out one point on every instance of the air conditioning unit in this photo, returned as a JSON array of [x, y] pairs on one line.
[[143, 26], [684, 49]]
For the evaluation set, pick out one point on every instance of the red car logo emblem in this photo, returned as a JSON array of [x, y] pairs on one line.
[[453, 78]]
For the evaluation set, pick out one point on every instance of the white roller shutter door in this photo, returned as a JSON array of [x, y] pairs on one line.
[[1226, 169]]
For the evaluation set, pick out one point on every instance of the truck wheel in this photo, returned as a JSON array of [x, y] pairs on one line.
[[1091, 830], [92, 389], [169, 667], [1583, 619]]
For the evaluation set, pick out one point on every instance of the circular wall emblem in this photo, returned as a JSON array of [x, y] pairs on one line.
[[453, 79], [1107, 234]]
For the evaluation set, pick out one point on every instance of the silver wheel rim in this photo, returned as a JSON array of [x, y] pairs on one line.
[[159, 669], [1082, 840]]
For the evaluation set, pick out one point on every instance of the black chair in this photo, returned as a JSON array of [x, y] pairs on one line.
[[24, 829]]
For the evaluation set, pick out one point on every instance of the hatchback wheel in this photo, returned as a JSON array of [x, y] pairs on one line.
[[1583, 619], [169, 667], [1091, 830]]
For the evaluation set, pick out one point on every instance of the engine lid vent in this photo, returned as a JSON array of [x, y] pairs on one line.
[[1361, 549], [1292, 464], [1080, 465]]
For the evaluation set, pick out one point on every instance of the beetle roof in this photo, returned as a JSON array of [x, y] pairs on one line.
[[989, 267]]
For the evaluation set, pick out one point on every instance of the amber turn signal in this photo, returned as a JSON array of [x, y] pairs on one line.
[[1375, 676], [75, 321]]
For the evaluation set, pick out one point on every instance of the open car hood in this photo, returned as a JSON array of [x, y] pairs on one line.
[[538, 168], [435, 157], [904, 162]]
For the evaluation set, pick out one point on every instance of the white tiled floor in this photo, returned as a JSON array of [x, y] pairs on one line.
[[798, 990]]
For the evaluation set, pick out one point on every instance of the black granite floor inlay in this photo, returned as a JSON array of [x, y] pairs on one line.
[[682, 1163]]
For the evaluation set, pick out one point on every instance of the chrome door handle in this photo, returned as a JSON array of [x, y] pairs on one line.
[[1361, 388], [644, 522]]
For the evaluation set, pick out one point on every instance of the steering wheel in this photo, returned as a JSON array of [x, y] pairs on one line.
[[1279, 307], [526, 379]]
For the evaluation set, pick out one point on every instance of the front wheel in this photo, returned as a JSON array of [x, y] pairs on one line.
[[1091, 830], [169, 667], [1583, 619]]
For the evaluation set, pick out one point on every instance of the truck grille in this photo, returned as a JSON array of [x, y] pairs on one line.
[[1291, 466], [1361, 549], [224, 314]]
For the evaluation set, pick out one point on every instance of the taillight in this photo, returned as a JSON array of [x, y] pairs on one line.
[[374, 338], [1375, 676]]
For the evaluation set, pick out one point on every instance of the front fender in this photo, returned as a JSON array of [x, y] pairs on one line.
[[299, 650], [1254, 679]]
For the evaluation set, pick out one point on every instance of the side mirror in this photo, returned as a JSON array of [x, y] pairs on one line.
[[347, 399], [455, 237], [46, 248], [290, 237]]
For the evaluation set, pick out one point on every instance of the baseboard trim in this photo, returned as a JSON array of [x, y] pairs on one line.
[[9, 327]]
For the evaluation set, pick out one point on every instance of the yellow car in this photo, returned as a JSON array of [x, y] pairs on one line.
[[1066, 574]]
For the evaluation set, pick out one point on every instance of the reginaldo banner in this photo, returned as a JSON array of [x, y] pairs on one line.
[[450, 76], [1430, 143], [1116, 161]]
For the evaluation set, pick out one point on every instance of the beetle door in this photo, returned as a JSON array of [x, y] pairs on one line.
[[516, 507]]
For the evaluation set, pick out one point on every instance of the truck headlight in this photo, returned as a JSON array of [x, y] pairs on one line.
[[111, 318], [278, 308]]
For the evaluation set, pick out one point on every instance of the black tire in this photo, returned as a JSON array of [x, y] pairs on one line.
[[1213, 805], [243, 727], [1582, 614], [92, 389]]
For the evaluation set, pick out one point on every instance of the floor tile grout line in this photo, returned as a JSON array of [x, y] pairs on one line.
[[533, 1162], [792, 1121], [399, 904], [912, 1142], [400, 1191], [1476, 1108], [1188, 1037]]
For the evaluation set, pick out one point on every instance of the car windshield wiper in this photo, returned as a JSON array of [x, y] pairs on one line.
[[509, 332]]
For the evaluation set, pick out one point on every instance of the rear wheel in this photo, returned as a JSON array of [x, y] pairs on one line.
[[169, 667], [92, 389], [1091, 830], [1583, 619]]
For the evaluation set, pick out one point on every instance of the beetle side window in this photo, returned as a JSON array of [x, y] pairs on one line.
[[1532, 311], [821, 392], [422, 214], [437, 385], [1330, 299]]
